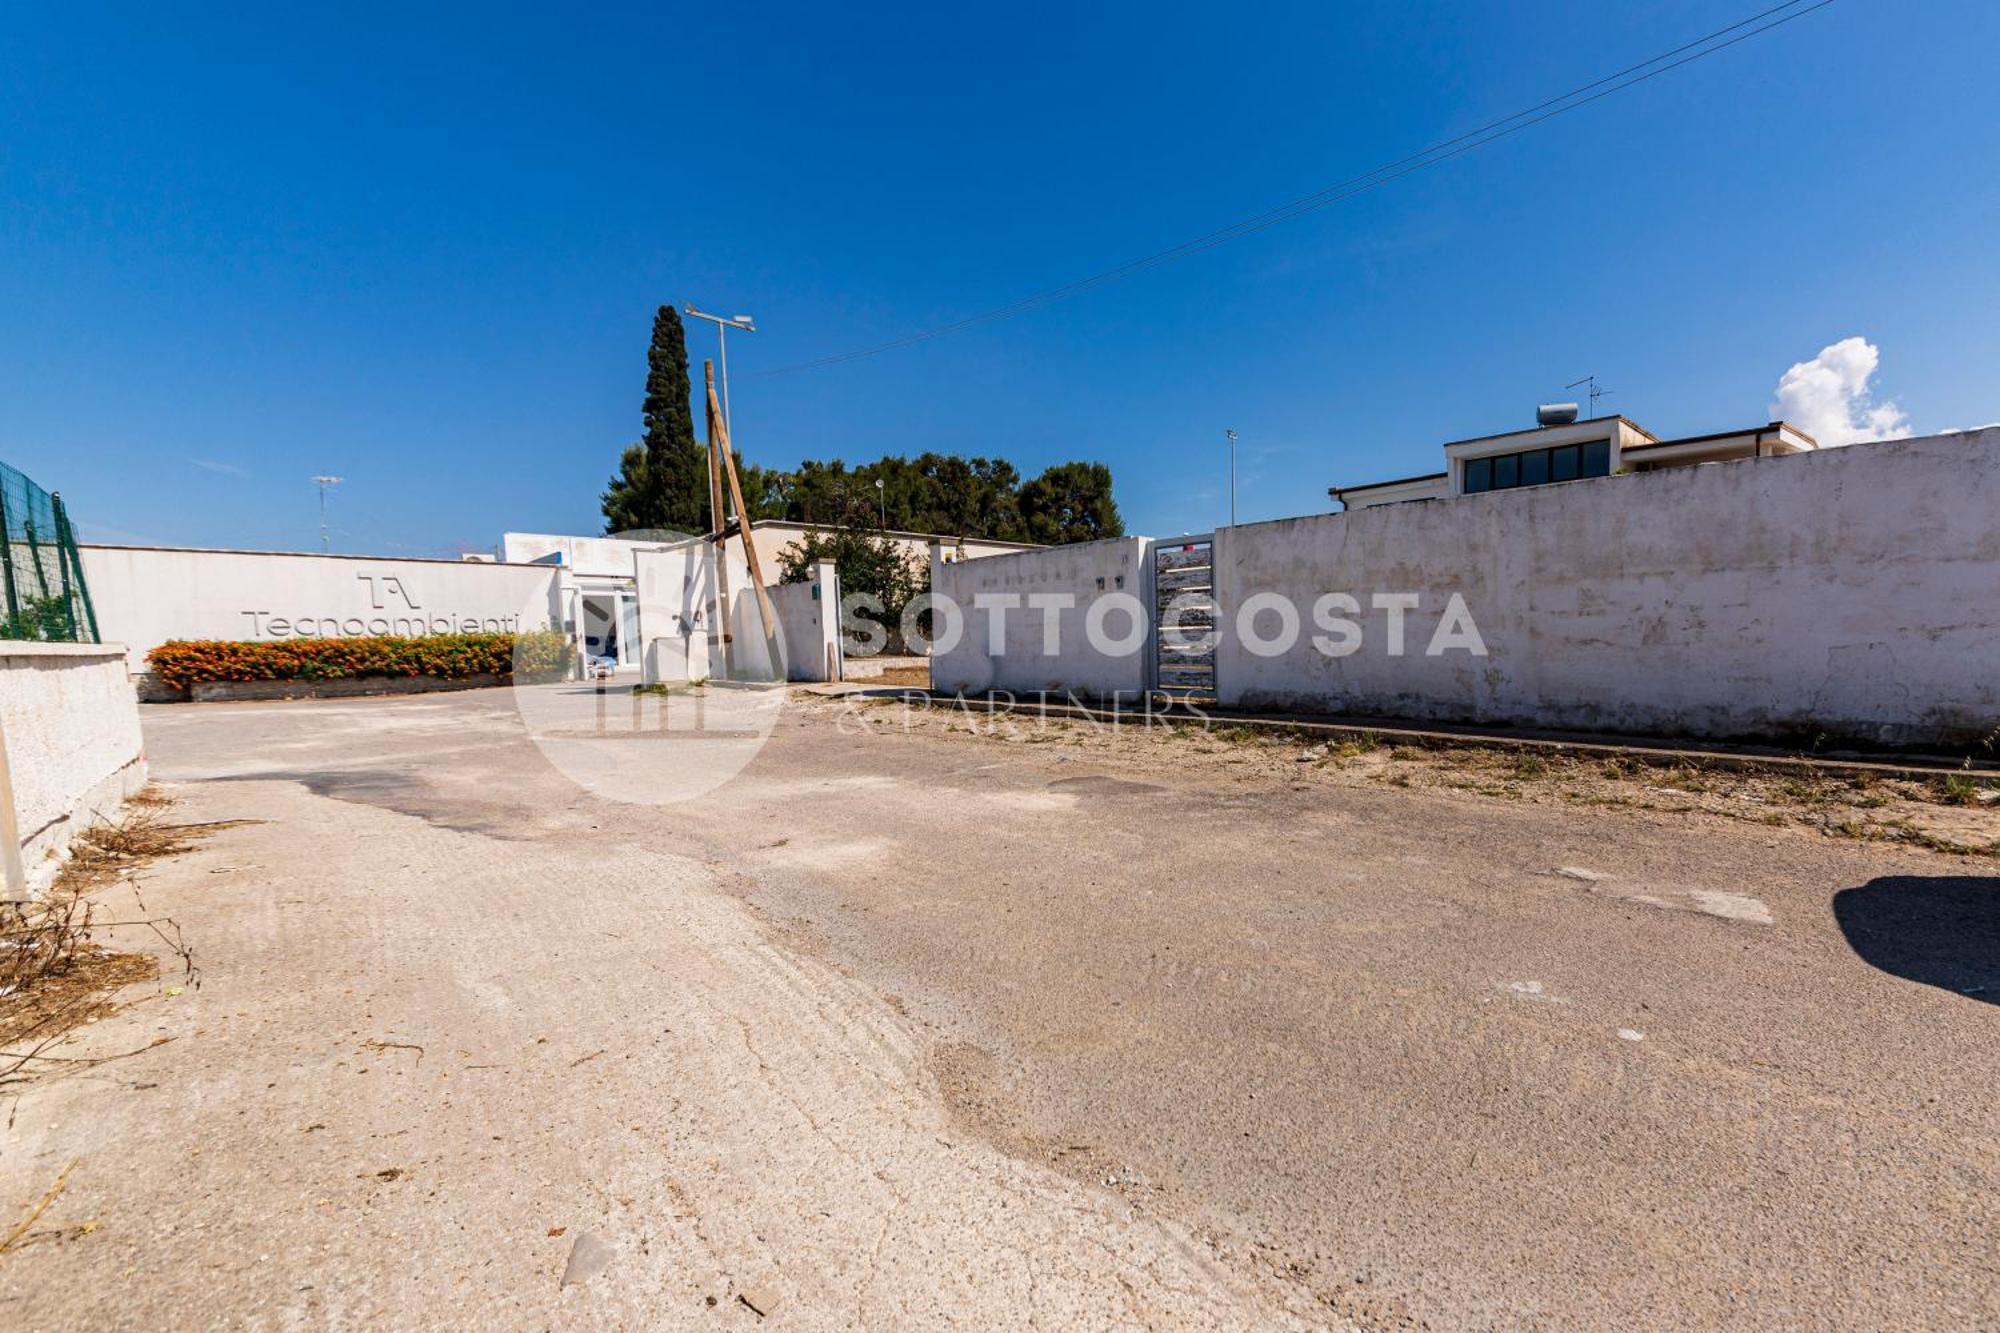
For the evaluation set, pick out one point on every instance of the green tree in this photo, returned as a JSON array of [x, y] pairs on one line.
[[1071, 502], [969, 497], [944, 493], [662, 481], [869, 564]]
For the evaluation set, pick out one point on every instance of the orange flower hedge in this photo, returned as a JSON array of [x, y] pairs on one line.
[[536, 655]]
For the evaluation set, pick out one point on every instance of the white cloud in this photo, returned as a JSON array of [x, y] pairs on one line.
[[1829, 399]]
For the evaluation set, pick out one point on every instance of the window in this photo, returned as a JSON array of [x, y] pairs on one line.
[[1538, 467]]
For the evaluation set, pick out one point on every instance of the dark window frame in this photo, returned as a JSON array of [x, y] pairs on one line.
[[1482, 475]]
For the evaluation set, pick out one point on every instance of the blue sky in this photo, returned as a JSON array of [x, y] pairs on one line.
[[420, 247]]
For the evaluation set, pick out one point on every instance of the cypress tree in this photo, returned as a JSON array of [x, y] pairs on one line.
[[662, 481]]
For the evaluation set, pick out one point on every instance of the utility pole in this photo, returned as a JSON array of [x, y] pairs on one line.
[[722, 327], [323, 483], [1232, 476]]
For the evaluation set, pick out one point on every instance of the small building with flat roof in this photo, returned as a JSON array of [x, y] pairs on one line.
[[1565, 451]]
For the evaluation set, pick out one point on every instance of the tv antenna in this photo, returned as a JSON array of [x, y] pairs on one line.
[[1595, 392], [323, 482]]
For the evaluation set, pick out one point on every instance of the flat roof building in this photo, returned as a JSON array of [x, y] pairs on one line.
[[604, 598], [1570, 450]]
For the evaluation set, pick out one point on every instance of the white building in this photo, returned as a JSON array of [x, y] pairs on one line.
[[601, 600], [1561, 449], [585, 586]]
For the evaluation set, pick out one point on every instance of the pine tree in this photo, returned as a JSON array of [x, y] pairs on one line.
[[1071, 502], [662, 481]]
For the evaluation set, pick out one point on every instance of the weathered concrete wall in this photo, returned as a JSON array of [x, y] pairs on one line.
[[1852, 592], [808, 629], [147, 595], [1020, 659], [679, 630], [678, 620], [809, 618], [71, 728]]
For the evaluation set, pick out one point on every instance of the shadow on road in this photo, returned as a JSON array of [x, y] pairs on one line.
[[1941, 930]]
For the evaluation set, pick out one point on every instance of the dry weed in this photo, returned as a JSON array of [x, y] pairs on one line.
[[53, 973]]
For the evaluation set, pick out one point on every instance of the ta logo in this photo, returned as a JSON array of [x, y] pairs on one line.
[[380, 585]]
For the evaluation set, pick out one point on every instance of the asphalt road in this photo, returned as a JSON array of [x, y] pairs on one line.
[[902, 1024]]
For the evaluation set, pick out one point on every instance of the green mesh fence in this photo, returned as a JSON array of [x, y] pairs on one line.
[[45, 595]]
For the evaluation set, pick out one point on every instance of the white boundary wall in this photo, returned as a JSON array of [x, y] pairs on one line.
[[809, 625], [145, 595], [1852, 592], [808, 628], [679, 627], [1018, 661], [70, 723]]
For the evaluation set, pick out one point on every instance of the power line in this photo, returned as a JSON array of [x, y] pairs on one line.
[[1581, 96]]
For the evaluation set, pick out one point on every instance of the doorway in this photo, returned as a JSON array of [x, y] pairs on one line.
[[609, 628]]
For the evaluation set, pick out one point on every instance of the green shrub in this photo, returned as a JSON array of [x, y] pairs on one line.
[[535, 655], [48, 619], [869, 565]]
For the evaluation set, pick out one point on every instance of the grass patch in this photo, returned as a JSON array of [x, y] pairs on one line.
[[1683, 777], [662, 688], [1804, 791], [1530, 766], [1958, 789]]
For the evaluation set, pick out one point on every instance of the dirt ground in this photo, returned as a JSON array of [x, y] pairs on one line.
[[925, 1019]]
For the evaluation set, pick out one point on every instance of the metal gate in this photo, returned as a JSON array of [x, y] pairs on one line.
[[1184, 619]]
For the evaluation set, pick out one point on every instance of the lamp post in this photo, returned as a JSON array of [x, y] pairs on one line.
[[1232, 476], [722, 326], [323, 483], [883, 496]]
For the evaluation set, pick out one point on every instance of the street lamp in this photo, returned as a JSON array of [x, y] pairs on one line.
[[323, 483], [883, 496], [1232, 476], [722, 326]]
